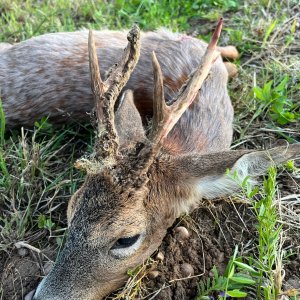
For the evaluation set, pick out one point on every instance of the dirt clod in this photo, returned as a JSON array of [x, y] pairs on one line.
[[20, 276], [187, 270], [160, 256], [153, 274], [181, 233], [22, 252]]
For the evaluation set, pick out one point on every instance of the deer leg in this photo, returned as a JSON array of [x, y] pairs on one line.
[[231, 69], [229, 52]]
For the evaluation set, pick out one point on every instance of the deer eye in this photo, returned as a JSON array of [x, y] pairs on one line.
[[125, 242], [126, 246]]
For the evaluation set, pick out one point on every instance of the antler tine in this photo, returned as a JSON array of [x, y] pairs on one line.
[[121, 72], [159, 105], [106, 93], [191, 89], [97, 84], [168, 116]]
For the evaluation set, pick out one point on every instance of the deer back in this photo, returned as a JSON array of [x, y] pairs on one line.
[[49, 76]]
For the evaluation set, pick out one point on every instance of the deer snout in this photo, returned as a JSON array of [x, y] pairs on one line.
[[47, 291], [43, 293], [67, 283], [52, 289]]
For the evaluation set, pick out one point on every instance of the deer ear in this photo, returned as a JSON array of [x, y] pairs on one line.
[[250, 165], [128, 121], [211, 176]]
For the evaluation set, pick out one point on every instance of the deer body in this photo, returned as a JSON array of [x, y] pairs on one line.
[[137, 182], [49, 76]]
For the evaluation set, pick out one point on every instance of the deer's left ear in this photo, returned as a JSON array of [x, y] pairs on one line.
[[205, 176], [128, 121]]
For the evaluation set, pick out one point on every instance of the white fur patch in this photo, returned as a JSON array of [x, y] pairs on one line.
[[252, 164]]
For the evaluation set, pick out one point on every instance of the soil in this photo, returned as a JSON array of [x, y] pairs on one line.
[[20, 275], [21, 272], [209, 244], [205, 248]]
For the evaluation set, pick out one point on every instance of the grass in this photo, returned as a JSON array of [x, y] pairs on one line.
[[257, 276], [269, 233], [52, 16], [36, 166], [260, 275]]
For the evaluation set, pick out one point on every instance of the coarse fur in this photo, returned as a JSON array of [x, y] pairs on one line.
[[49, 75]]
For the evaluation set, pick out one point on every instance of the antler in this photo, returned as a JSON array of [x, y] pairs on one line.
[[106, 93], [164, 116]]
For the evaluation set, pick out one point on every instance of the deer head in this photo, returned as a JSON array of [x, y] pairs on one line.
[[133, 190]]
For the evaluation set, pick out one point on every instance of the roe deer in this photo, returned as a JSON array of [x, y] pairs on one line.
[[137, 182]]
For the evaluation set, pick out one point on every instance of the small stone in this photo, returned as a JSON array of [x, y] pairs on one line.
[[160, 256], [22, 252], [181, 233], [220, 257], [187, 270], [153, 274]]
